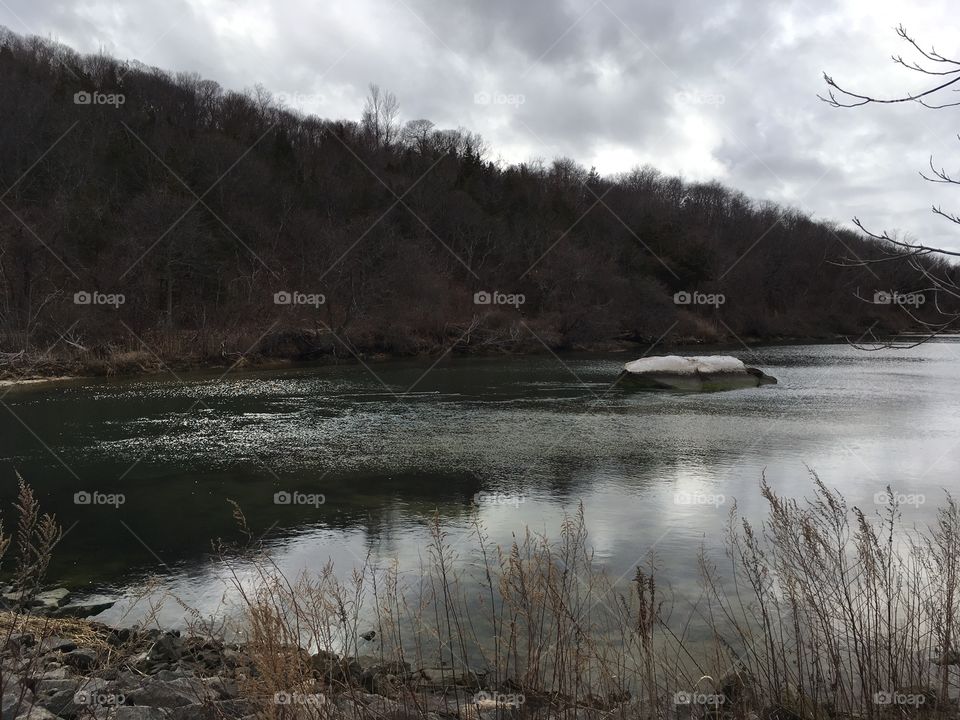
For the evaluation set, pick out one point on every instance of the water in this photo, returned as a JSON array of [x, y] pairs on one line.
[[391, 445]]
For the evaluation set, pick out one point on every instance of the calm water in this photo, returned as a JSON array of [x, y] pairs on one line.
[[390, 446]]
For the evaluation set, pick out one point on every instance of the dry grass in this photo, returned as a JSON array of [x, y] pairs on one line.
[[824, 613], [82, 632]]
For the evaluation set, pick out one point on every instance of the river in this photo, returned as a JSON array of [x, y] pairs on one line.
[[139, 471]]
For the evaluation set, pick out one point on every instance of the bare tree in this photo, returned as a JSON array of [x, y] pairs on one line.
[[380, 119], [929, 261], [416, 135]]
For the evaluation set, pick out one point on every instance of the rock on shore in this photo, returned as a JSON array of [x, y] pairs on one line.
[[91, 670]]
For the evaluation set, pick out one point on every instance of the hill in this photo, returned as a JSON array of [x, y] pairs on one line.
[[150, 216]]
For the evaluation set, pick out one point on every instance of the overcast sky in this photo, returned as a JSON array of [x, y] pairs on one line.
[[724, 89]]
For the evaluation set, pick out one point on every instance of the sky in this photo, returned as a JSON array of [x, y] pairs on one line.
[[723, 90]]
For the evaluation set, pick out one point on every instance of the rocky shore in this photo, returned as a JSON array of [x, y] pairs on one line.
[[73, 669], [56, 602]]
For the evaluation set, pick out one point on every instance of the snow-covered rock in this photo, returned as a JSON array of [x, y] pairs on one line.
[[705, 372], [674, 364]]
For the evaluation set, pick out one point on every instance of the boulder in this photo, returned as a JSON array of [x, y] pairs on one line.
[[55, 643], [167, 649], [16, 597], [81, 659], [698, 373], [69, 697], [83, 609], [15, 697], [333, 668], [170, 694], [50, 599]]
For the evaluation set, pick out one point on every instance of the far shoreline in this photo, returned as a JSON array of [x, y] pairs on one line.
[[62, 370]]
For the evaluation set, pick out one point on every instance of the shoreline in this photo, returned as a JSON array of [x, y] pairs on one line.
[[78, 370], [74, 668]]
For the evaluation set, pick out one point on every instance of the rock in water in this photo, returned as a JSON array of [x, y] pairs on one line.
[[51, 599], [707, 372]]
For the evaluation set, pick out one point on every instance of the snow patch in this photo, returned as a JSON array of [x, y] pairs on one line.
[[676, 365]]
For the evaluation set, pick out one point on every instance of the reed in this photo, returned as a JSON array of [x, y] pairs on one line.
[[819, 611]]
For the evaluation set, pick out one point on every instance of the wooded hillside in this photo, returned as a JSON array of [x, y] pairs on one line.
[[147, 211]]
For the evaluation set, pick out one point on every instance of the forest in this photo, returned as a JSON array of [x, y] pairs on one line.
[[152, 217]]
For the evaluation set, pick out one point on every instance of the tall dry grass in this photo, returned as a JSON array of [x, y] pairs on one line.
[[819, 612], [32, 544]]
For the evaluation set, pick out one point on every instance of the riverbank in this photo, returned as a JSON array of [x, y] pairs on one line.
[[23, 368], [69, 669]]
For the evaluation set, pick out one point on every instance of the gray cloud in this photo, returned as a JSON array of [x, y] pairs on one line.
[[722, 90]]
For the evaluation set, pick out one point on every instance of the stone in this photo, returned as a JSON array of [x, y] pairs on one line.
[[63, 701], [14, 700], [177, 673], [579, 713], [225, 689], [55, 643], [170, 694], [379, 706], [214, 711], [140, 712], [231, 657], [696, 373], [81, 659], [167, 649], [59, 673], [37, 713], [347, 706], [20, 641], [83, 609], [15, 597], [50, 599], [333, 668], [119, 636]]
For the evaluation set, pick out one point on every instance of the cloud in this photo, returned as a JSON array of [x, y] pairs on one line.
[[725, 90]]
